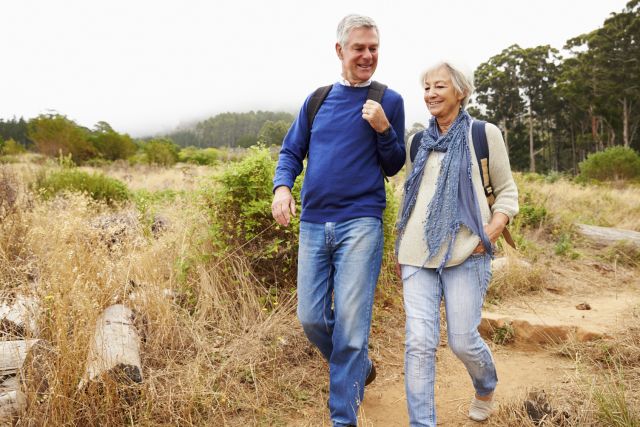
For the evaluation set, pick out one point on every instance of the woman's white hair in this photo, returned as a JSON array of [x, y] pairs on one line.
[[461, 77], [351, 22]]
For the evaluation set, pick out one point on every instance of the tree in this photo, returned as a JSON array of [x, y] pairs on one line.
[[498, 87], [272, 133], [110, 144], [55, 134]]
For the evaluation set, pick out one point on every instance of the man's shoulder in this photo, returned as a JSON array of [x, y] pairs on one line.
[[391, 96]]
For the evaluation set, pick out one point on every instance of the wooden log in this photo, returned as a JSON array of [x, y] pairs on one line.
[[12, 403], [13, 355], [29, 361], [20, 316], [607, 235], [114, 351]]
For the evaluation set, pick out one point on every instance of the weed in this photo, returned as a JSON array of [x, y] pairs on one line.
[[503, 334]]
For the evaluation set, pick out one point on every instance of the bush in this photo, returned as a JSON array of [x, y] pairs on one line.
[[161, 151], [241, 221], [615, 163], [199, 156], [11, 148], [98, 186]]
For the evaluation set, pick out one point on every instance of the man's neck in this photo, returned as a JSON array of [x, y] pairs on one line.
[[346, 82]]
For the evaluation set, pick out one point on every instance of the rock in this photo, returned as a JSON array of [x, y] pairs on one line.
[[583, 306]]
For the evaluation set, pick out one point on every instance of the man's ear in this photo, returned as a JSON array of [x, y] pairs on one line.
[[339, 51]]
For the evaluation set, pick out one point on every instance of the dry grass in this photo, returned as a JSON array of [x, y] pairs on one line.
[[213, 352], [182, 177], [211, 355], [596, 205]]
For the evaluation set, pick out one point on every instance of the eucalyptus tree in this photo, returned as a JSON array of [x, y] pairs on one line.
[[498, 89]]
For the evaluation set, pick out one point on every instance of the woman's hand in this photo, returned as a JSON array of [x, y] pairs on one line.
[[493, 230]]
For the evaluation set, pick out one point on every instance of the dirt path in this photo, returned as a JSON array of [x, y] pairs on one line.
[[524, 364]]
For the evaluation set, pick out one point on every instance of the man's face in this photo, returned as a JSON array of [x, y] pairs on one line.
[[359, 56]]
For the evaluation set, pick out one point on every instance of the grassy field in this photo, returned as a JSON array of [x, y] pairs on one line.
[[220, 342]]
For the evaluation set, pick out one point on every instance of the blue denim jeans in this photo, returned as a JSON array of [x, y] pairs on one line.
[[338, 268], [463, 288]]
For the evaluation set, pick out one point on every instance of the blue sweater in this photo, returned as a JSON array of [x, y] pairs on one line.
[[344, 178]]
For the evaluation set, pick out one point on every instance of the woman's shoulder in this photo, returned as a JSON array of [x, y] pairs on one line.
[[494, 134]]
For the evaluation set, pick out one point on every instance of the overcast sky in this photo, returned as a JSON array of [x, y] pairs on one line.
[[147, 66]]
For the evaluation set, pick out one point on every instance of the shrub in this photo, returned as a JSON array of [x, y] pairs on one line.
[[199, 156], [11, 148], [614, 163], [241, 221], [161, 151], [98, 186]]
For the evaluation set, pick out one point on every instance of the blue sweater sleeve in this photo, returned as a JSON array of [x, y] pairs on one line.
[[391, 149], [294, 149]]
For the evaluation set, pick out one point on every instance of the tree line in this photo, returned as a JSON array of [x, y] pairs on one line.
[[57, 135], [554, 110]]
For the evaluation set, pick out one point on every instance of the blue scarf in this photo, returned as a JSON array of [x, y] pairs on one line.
[[454, 202]]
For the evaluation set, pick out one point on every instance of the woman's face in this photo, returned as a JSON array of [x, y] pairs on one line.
[[440, 96]]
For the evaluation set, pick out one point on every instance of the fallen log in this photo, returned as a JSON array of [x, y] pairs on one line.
[[28, 361], [608, 235], [114, 352], [12, 402], [20, 316]]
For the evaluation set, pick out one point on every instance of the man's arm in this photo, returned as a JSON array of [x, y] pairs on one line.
[[390, 133], [294, 149]]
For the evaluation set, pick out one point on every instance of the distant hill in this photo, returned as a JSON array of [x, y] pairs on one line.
[[228, 129]]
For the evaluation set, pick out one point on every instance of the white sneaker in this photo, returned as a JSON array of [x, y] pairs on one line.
[[480, 410]]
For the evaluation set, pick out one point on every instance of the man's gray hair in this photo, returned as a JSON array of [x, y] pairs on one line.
[[351, 22], [461, 77]]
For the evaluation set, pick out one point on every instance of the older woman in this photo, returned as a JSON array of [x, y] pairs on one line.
[[446, 235]]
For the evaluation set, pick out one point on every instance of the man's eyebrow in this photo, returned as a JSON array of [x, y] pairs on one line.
[[364, 44]]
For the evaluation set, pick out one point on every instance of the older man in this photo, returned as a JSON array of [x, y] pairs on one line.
[[351, 143]]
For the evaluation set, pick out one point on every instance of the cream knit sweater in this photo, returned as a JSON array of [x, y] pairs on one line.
[[413, 249]]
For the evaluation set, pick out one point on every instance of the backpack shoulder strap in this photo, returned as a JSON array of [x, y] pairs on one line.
[[316, 100], [376, 91], [413, 149], [481, 148]]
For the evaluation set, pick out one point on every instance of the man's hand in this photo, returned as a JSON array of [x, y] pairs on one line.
[[373, 113], [283, 206]]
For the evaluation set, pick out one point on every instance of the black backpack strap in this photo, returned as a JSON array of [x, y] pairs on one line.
[[376, 91], [415, 145], [316, 100]]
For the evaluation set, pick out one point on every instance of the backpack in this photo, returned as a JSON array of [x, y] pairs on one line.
[[375, 93], [481, 149]]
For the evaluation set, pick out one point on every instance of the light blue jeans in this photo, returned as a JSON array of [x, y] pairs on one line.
[[463, 288], [338, 268]]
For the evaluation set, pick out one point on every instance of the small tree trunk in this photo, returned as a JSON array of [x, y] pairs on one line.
[[532, 156], [625, 122], [506, 134]]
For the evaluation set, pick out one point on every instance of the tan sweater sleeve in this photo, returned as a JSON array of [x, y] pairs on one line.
[[504, 187]]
